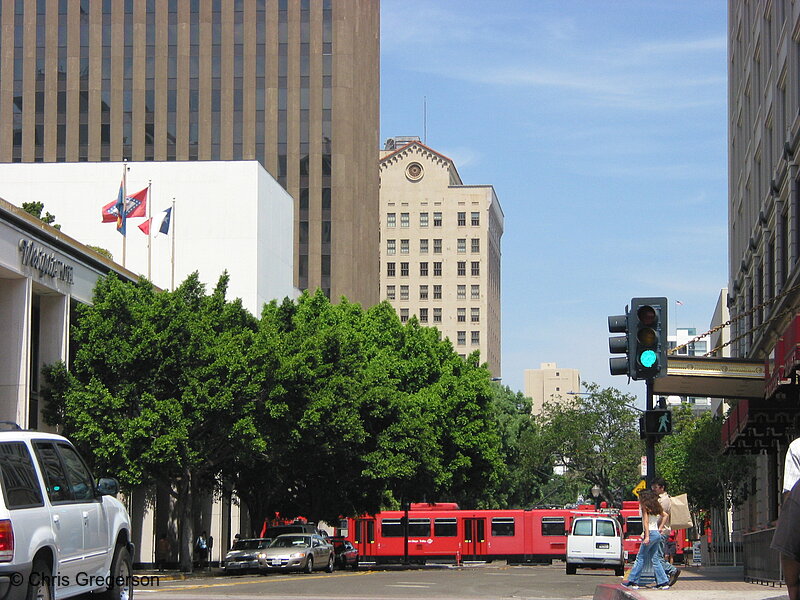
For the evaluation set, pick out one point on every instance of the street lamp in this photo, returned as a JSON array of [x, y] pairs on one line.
[[596, 493]]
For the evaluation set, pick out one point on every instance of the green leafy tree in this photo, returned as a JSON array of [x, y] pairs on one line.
[[35, 209], [594, 439], [526, 476], [693, 461], [159, 389]]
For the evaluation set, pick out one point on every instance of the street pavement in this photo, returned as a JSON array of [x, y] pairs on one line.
[[695, 583], [699, 583]]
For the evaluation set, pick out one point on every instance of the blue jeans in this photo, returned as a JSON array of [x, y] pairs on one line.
[[649, 552], [669, 568]]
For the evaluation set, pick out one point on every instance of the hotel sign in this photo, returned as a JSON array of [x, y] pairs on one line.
[[45, 261]]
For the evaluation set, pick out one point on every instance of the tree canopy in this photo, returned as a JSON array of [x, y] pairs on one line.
[[312, 409]]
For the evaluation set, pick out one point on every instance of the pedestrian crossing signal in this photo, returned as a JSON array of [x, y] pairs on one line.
[[656, 422]]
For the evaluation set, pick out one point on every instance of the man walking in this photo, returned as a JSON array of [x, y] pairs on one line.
[[659, 486]]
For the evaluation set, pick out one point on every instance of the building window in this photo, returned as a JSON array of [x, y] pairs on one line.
[[461, 292], [475, 315], [423, 246], [437, 269], [462, 338], [437, 219], [462, 268], [403, 246], [476, 219], [437, 292], [437, 315], [475, 292], [403, 292], [461, 315], [391, 219], [423, 315], [390, 269], [423, 292], [404, 315], [390, 246], [390, 292], [476, 267], [423, 269], [404, 220], [462, 245], [462, 219], [423, 219], [437, 246], [476, 338], [403, 269], [476, 245]]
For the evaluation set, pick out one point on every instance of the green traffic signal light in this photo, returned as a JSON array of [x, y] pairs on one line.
[[648, 358]]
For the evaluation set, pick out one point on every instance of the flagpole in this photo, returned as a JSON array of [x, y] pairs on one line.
[[172, 224], [149, 229], [124, 207]]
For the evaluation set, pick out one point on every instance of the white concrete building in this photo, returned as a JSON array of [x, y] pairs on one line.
[[440, 248], [229, 215], [548, 382]]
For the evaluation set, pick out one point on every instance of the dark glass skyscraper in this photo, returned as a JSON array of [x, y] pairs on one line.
[[293, 84]]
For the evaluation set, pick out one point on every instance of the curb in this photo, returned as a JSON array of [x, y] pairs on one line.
[[614, 591]]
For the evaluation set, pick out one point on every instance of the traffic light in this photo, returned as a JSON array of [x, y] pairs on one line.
[[647, 338], [655, 422], [618, 344]]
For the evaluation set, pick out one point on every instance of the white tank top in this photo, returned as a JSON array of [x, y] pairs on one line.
[[652, 522]]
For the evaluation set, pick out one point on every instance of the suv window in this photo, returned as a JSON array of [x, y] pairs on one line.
[[80, 480], [56, 480], [20, 484]]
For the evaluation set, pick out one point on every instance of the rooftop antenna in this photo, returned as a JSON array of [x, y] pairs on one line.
[[425, 120]]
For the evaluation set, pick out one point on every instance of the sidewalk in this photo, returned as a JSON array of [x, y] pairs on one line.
[[699, 583]]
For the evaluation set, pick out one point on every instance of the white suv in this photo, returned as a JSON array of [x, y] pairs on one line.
[[60, 534]]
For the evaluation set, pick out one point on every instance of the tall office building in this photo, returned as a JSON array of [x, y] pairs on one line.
[[764, 248], [293, 84], [440, 248]]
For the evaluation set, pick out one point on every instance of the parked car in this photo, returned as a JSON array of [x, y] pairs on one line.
[[595, 542], [345, 554], [297, 552], [61, 533], [243, 555]]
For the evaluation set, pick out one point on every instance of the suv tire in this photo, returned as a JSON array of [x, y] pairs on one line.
[[121, 567], [43, 591]]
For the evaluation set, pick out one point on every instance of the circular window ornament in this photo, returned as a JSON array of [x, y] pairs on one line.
[[414, 171]]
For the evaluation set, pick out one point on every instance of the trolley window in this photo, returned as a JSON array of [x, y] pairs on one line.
[[445, 528], [502, 526], [391, 528], [419, 527], [582, 527], [553, 526], [634, 526]]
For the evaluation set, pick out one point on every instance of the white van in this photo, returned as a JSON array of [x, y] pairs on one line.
[[595, 542]]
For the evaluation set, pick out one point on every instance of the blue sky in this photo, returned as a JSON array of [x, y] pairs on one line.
[[602, 127]]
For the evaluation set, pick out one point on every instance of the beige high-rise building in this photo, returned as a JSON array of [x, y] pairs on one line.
[[548, 382], [293, 84], [440, 248]]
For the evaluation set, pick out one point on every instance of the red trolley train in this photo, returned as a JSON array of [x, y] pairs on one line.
[[443, 531]]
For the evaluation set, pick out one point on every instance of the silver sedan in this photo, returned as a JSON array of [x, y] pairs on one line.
[[297, 552]]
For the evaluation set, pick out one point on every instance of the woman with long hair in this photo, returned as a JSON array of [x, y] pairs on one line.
[[653, 521]]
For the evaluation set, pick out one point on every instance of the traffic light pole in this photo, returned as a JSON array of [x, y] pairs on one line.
[[651, 439]]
